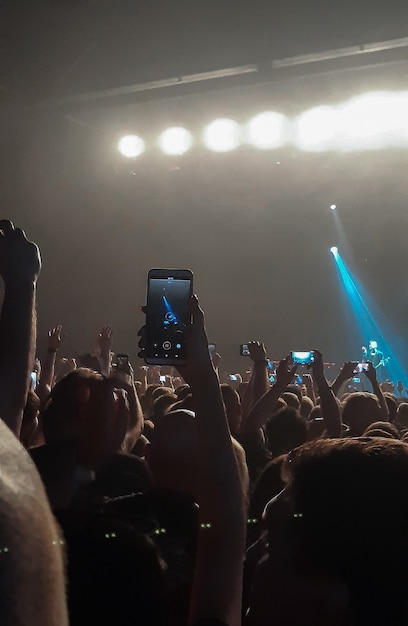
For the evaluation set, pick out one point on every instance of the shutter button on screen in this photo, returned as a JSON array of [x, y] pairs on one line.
[[166, 345]]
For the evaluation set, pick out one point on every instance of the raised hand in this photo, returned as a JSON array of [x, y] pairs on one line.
[[123, 378], [198, 356], [64, 367], [257, 351], [153, 374], [285, 373], [371, 373], [348, 369], [216, 359], [104, 421], [318, 366], [20, 260], [54, 338], [105, 339]]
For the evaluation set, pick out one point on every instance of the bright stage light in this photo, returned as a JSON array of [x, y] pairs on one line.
[[131, 146], [316, 129], [222, 135], [334, 250], [175, 141], [333, 207], [374, 120], [267, 130]]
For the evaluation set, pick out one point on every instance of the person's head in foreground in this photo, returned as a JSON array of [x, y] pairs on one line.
[[32, 586], [337, 538]]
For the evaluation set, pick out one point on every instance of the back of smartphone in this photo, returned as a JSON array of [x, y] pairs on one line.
[[167, 316]]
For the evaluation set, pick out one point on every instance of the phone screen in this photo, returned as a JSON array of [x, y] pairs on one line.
[[244, 350], [122, 362], [33, 380], [212, 348], [303, 358], [168, 317]]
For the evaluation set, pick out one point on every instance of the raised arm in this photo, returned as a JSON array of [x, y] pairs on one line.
[[344, 375], [48, 366], [19, 267], [267, 404], [371, 374], [307, 380], [259, 383], [329, 405], [126, 381], [105, 355], [257, 354], [217, 583]]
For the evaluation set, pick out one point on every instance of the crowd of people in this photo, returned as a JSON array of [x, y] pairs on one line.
[[157, 497]]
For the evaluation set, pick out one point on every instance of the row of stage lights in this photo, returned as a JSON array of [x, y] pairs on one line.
[[370, 121]]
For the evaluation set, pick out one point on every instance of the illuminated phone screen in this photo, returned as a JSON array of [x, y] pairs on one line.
[[302, 358], [168, 316]]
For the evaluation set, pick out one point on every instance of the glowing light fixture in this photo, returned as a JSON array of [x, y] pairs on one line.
[[175, 141], [316, 129], [374, 120], [267, 130], [222, 135], [334, 250], [131, 146]]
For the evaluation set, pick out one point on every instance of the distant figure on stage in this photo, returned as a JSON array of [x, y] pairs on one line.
[[376, 357]]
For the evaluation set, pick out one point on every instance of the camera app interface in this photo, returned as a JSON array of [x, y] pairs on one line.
[[169, 314]]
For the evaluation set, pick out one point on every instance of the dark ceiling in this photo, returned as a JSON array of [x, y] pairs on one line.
[[63, 47]]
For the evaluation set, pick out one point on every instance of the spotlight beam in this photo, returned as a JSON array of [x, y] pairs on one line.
[[371, 322]]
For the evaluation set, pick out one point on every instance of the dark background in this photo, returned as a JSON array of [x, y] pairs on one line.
[[254, 226]]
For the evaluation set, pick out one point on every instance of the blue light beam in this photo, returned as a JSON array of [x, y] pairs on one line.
[[371, 321]]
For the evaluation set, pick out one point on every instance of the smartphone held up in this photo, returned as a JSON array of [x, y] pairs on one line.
[[302, 358], [168, 316], [122, 362], [361, 367]]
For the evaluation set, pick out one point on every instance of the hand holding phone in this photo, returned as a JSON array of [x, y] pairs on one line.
[[285, 372], [257, 351], [122, 363], [360, 368], [302, 358], [122, 371], [168, 316]]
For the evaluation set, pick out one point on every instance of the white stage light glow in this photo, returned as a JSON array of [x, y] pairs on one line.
[[374, 120], [334, 250], [222, 135], [267, 130], [316, 129], [131, 146], [175, 141], [333, 207]]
